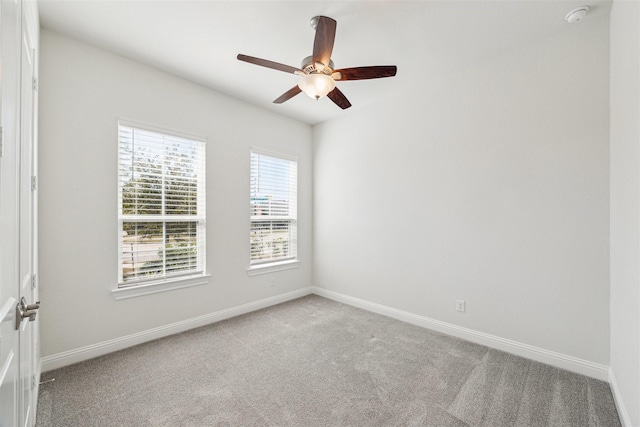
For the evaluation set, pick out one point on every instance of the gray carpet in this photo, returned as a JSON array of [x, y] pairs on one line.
[[316, 362]]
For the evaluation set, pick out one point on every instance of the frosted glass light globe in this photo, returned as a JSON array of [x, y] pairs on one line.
[[316, 85]]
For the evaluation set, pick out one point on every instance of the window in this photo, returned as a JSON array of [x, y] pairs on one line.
[[161, 205], [274, 193]]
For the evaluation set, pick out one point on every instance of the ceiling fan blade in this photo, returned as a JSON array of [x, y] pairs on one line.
[[268, 64], [323, 42], [339, 99], [288, 95], [364, 73]]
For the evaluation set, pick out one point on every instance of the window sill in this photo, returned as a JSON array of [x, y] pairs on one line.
[[273, 266], [160, 286]]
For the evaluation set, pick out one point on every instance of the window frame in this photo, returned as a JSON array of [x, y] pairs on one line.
[[264, 267], [137, 287]]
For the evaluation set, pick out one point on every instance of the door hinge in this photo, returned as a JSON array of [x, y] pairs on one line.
[[34, 183], [33, 381], [35, 84], [34, 282]]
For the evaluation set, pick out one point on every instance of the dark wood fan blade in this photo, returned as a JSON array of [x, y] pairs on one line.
[[364, 73], [268, 64], [339, 99], [323, 42], [288, 95]]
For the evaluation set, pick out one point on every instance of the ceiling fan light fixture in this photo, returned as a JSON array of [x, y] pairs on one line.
[[316, 85], [317, 72]]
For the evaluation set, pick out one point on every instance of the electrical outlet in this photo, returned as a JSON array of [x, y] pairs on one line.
[[273, 282], [460, 305]]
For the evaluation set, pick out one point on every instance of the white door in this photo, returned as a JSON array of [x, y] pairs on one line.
[[28, 185], [9, 215], [18, 236]]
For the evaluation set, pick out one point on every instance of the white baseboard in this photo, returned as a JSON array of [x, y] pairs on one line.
[[559, 360], [617, 397], [59, 360]]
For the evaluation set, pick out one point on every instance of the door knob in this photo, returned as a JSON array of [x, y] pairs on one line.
[[24, 311], [33, 306]]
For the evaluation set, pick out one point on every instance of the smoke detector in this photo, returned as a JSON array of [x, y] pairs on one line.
[[577, 14]]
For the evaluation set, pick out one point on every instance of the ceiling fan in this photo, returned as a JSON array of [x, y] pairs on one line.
[[318, 76]]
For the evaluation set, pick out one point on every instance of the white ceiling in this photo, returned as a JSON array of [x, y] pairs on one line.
[[199, 40]]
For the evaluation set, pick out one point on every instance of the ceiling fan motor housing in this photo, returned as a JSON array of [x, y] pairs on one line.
[[309, 67], [314, 22]]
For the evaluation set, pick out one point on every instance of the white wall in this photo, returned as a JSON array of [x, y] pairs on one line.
[[490, 185], [83, 91], [625, 207]]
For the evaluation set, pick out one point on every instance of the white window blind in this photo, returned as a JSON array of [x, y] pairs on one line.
[[274, 208], [161, 205]]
